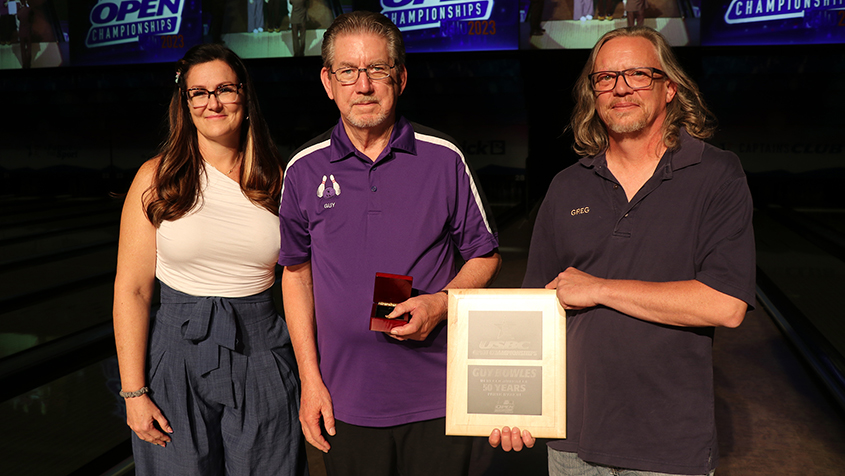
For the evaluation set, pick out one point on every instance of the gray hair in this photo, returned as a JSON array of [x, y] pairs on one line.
[[364, 22]]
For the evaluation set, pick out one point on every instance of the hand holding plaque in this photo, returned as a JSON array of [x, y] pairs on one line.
[[511, 439]]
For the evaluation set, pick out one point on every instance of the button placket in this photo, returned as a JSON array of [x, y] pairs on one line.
[[374, 182]]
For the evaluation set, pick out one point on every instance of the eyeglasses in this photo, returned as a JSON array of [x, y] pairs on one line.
[[375, 72], [225, 94], [635, 78]]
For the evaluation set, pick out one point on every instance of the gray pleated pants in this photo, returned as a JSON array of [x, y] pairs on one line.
[[222, 371]]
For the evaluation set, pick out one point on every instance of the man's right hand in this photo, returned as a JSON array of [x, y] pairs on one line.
[[316, 405], [142, 415]]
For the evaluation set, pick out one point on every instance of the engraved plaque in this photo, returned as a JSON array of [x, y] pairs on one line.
[[505, 335], [507, 390], [506, 362]]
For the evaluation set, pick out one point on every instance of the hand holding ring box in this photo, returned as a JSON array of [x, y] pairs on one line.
[[388, 291]]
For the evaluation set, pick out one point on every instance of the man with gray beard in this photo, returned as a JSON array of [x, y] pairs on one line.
[[377, 194], [648, 242]]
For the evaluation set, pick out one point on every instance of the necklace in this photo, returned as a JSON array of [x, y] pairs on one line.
[[234, 166]]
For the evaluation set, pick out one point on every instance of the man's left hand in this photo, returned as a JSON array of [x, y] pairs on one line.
[[426, 310], [511, 439]]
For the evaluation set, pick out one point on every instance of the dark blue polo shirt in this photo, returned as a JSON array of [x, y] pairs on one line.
[[640, 395], [411, 212]]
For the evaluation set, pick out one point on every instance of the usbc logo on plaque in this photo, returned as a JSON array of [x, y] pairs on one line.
[[505, 335]]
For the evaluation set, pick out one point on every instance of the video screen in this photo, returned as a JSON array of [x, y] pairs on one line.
[[269, 28], [133, 31], [458, 25], [773, 22], [42, 33], [51, 33], [33, 34], [572, 24]]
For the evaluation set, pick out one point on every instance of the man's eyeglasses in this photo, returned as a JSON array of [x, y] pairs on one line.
[[635, 78], [375, 72], [225, 94]]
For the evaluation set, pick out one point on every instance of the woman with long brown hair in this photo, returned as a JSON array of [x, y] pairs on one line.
[[209, 381]]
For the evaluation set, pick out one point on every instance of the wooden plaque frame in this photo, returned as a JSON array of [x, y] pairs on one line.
[[506, 362]]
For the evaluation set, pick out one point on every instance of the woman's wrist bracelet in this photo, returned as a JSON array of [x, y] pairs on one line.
[[136, 393]]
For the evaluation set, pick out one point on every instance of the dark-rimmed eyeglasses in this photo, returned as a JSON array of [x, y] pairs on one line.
[[225, 94], [635, 78], [375, 72]]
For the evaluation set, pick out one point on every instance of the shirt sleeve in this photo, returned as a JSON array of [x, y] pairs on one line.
[[472, 227], [294, 229], [725, 255]]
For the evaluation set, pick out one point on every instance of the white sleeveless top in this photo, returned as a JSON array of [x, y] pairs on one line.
[[225, 246]]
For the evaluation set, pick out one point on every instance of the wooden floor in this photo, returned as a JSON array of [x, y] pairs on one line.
[[771, 414]]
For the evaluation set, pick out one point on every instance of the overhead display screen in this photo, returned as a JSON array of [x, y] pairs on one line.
[[98, 32], [578, 24], [133, 31], [772, 22], [455, 25]]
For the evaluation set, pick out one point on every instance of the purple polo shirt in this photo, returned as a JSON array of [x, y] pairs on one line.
[[410, 212], [640, 395]]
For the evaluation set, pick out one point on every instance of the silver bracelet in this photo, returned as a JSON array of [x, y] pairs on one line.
[[136, 393]]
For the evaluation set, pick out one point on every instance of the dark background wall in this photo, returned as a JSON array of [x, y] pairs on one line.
[[83, 131]]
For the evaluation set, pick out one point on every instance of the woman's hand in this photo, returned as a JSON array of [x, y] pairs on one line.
[[147, 421]]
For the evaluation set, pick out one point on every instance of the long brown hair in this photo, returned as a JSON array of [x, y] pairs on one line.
[[687, 109], [176, 183]]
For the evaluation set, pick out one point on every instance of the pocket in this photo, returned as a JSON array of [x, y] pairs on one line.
[[288, 380], [158, 348], [286, 368]]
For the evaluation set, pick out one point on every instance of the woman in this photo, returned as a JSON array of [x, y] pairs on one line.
[[209, 382]]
